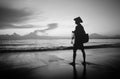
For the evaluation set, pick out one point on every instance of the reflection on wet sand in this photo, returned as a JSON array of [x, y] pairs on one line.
[[75, 74], [101, 64]]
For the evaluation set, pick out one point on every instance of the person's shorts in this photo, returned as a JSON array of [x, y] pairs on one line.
[[78, 46]]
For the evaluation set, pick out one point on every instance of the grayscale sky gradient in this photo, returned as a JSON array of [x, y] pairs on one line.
[[56, 16]]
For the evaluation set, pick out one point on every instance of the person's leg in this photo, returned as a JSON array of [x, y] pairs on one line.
[[84, 55], [74, 55]]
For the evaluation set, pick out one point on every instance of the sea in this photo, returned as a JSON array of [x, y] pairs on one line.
[[44, 44]]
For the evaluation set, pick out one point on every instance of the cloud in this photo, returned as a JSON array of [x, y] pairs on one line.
[[16, 26], [10, 16], [50, 27]]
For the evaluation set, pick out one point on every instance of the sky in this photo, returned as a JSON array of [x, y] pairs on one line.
[[55, 17]]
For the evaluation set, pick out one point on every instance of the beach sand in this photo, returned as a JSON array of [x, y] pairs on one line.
[[102, 63]]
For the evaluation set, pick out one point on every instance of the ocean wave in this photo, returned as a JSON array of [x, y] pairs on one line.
[[116, 45]]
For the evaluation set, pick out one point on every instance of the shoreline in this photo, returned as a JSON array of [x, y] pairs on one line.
[[117, 45]]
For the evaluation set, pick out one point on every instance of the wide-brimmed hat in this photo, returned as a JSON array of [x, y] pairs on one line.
[[78, 19]]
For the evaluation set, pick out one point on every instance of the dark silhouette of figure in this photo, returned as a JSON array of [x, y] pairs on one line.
[[75, 75], [78, 35]]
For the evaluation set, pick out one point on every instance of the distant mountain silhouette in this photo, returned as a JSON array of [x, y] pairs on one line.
[[98, 36], [8, 37], [33, 35]]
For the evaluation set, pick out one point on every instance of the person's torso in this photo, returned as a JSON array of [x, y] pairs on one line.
[[79, 31]]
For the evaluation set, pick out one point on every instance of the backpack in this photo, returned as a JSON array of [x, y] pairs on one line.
[[85, 38]]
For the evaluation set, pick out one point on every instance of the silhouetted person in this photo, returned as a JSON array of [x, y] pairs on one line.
[[78, 35]]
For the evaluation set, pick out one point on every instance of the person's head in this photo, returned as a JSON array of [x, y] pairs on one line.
[[78, 20]]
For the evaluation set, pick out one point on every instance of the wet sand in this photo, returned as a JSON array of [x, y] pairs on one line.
[[101, 63]]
